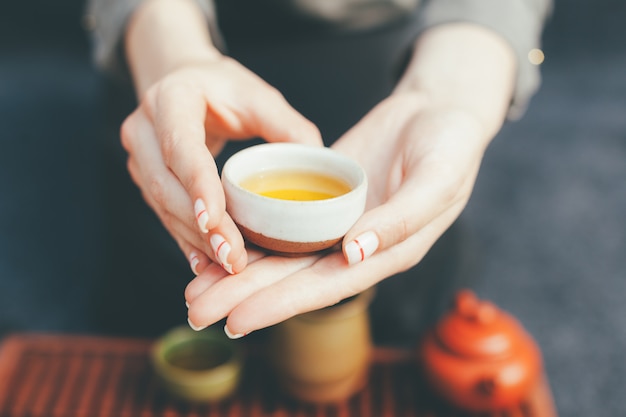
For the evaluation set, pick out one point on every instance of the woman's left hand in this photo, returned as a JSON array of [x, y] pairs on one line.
[[421, 164]]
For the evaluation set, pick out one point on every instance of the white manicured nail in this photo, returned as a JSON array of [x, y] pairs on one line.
[[187, 304], [193, 326], [202, 215], [362, 247], [194, 261], [233, 335], [221, 249]]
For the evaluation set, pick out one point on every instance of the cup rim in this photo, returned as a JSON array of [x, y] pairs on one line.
[[228, 168], [222, 372]]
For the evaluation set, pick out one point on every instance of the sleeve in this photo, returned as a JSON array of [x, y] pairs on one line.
[[106, 21], [519, 22]]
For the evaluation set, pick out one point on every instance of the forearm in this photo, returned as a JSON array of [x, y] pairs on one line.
[[466, 67], [163, 35]]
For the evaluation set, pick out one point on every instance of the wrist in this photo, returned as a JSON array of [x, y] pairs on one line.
[[164, 35], [463, 67]]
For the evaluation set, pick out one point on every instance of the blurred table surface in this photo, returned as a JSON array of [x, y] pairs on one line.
[[84, 376]]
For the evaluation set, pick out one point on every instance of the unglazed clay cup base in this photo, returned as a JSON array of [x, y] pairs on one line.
[[290, 227], [283, 247], [200, 366]]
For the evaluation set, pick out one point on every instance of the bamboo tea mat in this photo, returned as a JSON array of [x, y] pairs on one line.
[[83, 376]]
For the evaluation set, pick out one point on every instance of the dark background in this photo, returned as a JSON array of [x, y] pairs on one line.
[[548, 216]]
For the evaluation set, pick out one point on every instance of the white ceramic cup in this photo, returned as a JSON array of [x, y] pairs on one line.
[[286, 226]]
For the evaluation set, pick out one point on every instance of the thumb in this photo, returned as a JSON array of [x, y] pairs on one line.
[[277, 121], [412, 207]]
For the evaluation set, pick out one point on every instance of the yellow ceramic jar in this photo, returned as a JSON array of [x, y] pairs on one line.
[[324, 356]]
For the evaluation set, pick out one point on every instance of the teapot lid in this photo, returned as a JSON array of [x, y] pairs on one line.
[[478, 329]]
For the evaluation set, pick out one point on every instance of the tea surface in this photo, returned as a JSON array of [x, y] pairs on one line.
[[198, 355], [295, 185]]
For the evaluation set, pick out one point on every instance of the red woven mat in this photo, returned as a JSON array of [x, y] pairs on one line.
[[75, 376]]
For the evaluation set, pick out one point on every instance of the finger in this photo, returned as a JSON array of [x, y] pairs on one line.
[[188, 240], [178, 115], [181, 232], [247, 106], [330, 280], [196, 249], [149, 171], [416, 203], [169, 208], [177, 228], [198, 261], [228, 246], [211, 275], [275, 120], [218, 249], [222, 296], [167, 193]]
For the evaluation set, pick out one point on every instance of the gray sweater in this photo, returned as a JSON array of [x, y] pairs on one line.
[[520, 22]]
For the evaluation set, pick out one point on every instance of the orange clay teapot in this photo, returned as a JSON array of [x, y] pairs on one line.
[[480, 358]]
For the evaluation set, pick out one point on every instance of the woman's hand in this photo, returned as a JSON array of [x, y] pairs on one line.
[[421, 164], [184, 120], [421, 148], [192, 100]]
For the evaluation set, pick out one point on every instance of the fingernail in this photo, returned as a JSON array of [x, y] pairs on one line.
[[194, 261], [194, 327], [233, 335], [362, 247], [202, 215], [187, 304], [221, 249]]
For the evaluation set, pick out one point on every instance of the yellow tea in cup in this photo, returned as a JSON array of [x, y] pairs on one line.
[[293, 199], [295, 185]]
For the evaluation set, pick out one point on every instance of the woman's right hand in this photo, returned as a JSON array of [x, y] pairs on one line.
[[182, 122]]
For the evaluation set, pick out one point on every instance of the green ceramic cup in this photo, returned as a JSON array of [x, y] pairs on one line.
[[200, 366]]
